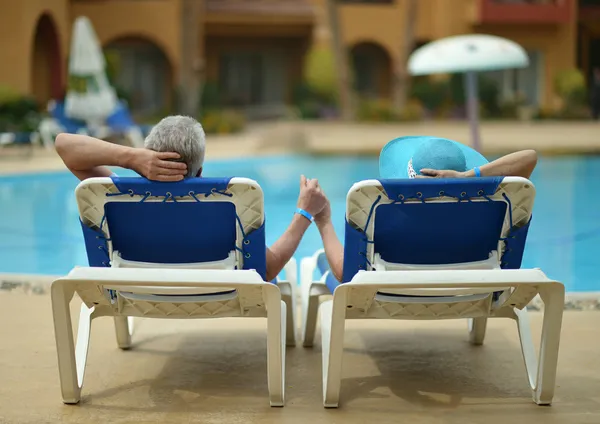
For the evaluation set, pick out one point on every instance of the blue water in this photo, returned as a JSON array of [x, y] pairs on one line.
[[40, 232]]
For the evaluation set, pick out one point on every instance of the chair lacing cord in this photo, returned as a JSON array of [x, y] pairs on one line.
[[366, 238], [245, 240], [510, 217], [169, 196], [214, 191], [143, 199], [510, 235]]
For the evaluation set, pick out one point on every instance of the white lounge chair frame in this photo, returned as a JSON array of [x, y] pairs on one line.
[[456, 291], [143, 288]]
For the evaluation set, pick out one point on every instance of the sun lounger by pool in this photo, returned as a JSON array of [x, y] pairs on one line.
[[119, 123], [429, 249], [193, 249]]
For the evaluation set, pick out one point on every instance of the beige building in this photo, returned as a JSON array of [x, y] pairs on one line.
[[254, 49]]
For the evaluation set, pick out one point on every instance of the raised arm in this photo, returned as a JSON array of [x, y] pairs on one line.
[[518, 164], [334, 250], [88, 157], [311, 200]]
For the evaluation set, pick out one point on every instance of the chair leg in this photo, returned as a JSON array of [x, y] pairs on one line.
[[288, 295], [333, 320], [477, 327], [276, 328], [124, 331], [310, 312], [542, 374], [71, 358]]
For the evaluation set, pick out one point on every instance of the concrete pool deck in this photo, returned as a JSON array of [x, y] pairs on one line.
[[214, 371]]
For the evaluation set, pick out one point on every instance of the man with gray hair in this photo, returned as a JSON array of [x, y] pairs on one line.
[[174, 150]]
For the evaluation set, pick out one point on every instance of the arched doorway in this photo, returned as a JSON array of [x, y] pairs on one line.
[[141, 72], [46, 69], [372, 70]]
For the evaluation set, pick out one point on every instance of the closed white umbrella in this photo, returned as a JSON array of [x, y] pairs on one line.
[[90, 96], [468, 54]]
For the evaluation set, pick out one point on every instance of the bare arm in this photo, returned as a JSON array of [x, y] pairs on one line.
[[311, 200], [88, 157], [518, 164], [333, 248], [283, 249]]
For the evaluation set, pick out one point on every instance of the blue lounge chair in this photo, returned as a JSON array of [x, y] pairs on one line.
[[428, 249], [120, 122], [192, 249]]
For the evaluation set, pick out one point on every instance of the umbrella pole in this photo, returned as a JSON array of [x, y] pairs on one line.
[[473, 108]]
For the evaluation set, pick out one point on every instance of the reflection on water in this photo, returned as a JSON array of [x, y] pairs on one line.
[[39, 229]]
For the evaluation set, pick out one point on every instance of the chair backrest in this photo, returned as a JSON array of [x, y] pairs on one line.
[[437, 222], [195, 221]]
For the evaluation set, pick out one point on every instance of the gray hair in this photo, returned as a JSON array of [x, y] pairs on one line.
[[180, 134]]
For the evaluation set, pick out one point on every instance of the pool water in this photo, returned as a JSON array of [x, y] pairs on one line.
[[40, 232]]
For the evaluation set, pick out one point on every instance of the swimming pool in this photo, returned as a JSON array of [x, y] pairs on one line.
[[40, 232]]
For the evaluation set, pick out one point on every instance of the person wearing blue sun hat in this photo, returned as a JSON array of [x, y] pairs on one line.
[[426, 157]]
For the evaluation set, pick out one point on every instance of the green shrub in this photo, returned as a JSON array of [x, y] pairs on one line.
[[412, 112], [320, 74], [432, 94], [570, 86], [488, 92], [18, 113], [211, 96], [222, 121], [376, 111], [383, 111]]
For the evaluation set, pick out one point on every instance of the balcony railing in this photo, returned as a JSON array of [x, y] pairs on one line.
[[524, 11]]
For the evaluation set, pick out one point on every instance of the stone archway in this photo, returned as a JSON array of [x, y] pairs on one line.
[[46, 64], [141, 71], [372, 67]]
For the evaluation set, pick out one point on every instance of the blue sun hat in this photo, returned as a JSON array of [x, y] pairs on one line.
[[404, 157]]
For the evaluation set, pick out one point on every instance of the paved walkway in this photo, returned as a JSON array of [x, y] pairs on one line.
[[497, 137], [214, 371], [362, 139]]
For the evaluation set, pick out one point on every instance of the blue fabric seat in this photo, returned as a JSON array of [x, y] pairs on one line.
[[430, 233], [171, 231]]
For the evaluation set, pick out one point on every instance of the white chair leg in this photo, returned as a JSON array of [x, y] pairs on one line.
[[477, 328], [71, 358], [276, 327], [310, 311], [333, 320], [288, 295], [542, 373], [124, 331], [309, 304]]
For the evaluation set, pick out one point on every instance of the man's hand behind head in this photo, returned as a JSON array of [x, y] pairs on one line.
[[158, 166]]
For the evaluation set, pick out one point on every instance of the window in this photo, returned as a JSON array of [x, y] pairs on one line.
[[526, 82]]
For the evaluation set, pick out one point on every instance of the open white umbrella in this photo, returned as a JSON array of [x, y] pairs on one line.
[[468, 54], [90, 96]]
